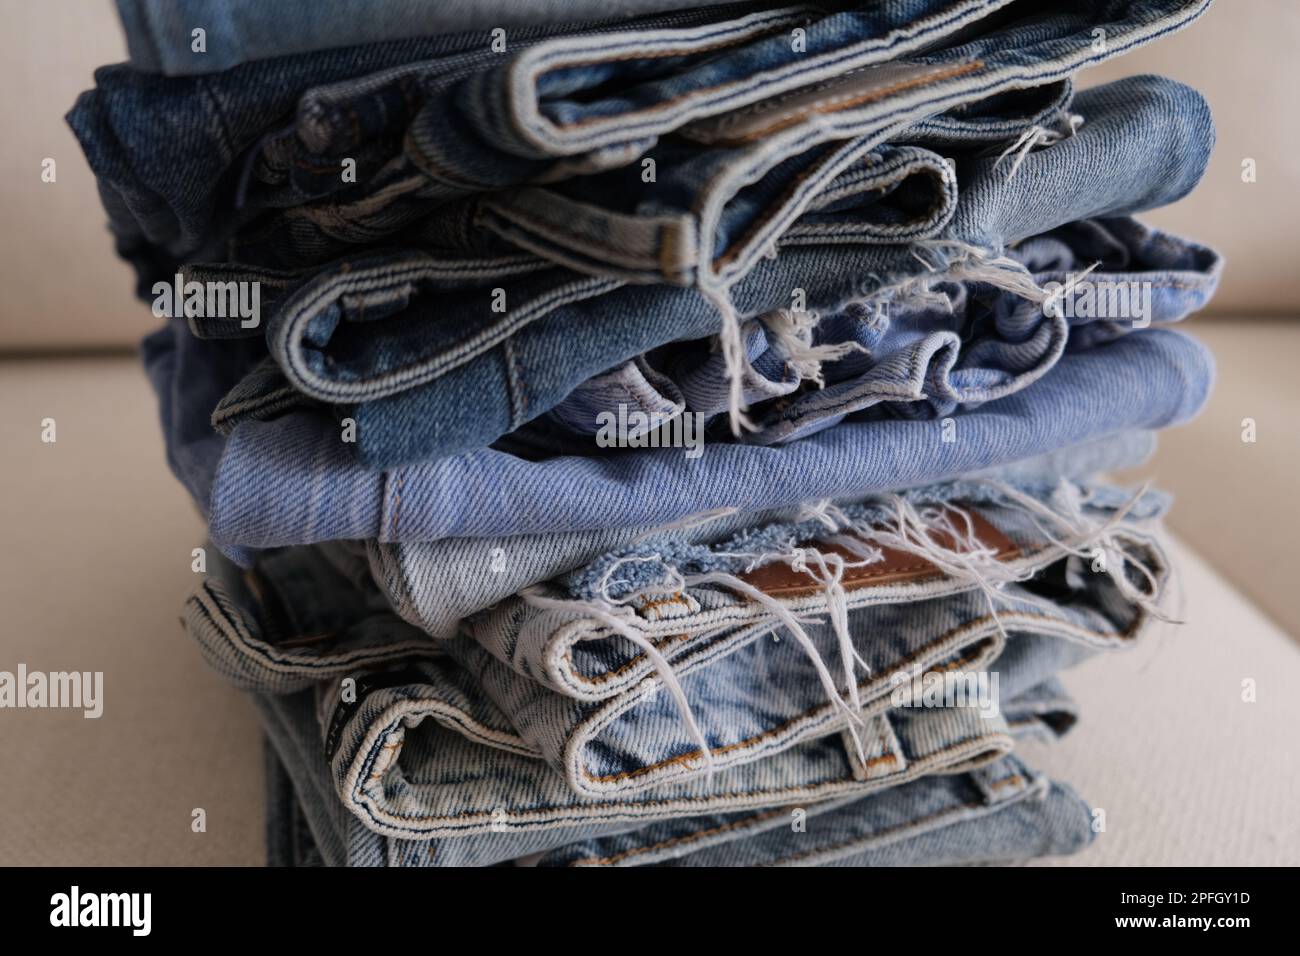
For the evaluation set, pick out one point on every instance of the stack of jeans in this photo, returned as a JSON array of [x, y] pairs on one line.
[[674, 438]]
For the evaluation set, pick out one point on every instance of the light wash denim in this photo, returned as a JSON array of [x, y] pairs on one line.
[[289, 837], [383, 339], [602, 745], [434, 585], [966, 801], [1142, 382], [1002, 813]]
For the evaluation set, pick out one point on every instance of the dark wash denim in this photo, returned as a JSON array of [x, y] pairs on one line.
[[240, 31], [581, 104], [726, 195], [382, 337], [1142, 381], [468, 123], [183, 162]]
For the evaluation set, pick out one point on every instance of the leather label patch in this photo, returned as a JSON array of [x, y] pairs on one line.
[[858, 88], [898, 567]]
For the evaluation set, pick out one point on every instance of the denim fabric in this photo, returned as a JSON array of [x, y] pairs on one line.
[[184, 162], [289, 840], [291, 727], [609, 725], [240, 31], [374, 335], [1141, 381], [620, 751], [571, 650], [741, 179], [434, 585], [918, 359], [467, 122], [1002, 813], [189, 377]]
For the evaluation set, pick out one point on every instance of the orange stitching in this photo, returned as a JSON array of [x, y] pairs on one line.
[[622, 668]]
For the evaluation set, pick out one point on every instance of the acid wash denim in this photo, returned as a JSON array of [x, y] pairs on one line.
[[936, 819], [158, 32], [1141, 382], [1002, 813], [402, 783], [383, 339]]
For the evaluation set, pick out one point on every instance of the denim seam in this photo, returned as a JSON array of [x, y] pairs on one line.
[[682, 840], [453, 718], [909, 825], [365, 807], [771, 814], [545, 230], [228, 141], [527, 75], [261, 654], [425, 369], [835, 104], [515, 384], [776, 80]]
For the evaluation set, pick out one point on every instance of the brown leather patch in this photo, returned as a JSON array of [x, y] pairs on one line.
[[780, 580], [857, 88]]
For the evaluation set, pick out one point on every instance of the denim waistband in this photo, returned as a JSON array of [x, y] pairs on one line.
[[699, 601]]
